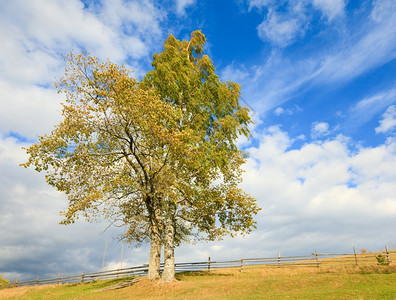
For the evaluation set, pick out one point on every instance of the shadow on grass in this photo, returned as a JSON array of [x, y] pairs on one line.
[[199, 273], [98, 284], [378, 269]]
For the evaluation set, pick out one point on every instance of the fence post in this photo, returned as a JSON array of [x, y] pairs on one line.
[[82, 276], [209, 264], [387, 255], [317, 259], [279, 260], [242, 263], [37, 280], [354, 252], [59, 278]]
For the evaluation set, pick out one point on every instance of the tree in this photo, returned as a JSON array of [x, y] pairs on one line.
[[157, 156], [205, 197]]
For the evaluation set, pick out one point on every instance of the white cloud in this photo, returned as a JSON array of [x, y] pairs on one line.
[[319, 129], [117, 31], [34, 34], [287, 21], [330, 8], [28, 111], [264, 3], [289, 111], [366, 108], [383, 9], [280, 29], [322, 188], [388, 121], [236, 74], [181, 5], [279, 111]]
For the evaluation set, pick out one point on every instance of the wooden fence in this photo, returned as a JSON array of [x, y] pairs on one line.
[[317, 260]]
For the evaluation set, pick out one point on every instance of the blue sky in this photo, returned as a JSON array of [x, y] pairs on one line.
[[319, 75]]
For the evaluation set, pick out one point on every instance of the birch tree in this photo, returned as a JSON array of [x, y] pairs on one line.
[[205, 201]]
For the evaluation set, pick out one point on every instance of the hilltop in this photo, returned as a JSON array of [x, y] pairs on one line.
[[363, 282]]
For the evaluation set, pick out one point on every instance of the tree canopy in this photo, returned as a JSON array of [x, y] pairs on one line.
[[158, 156]]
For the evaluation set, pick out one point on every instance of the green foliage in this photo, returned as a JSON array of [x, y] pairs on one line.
[[4, 282], [382, 260]]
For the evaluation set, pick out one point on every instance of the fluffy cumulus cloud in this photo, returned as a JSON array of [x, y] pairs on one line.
[[388, 121], [34, 36], [322, 188], [28, 112]]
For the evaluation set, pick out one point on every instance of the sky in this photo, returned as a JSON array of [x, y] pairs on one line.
[[318, 75]]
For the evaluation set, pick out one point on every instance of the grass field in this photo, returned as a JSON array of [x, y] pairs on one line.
[[371, 282]]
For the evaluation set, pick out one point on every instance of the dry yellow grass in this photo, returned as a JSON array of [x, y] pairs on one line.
[[19, 292]]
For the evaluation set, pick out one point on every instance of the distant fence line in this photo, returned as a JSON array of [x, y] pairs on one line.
[[315, 259]]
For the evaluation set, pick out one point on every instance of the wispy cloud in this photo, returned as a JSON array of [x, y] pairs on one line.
[[181, 6], [287, 21], [373, 48], [368, 107], [233, 73], [353, 53], [289, 111], [330, 8], [388, 121]]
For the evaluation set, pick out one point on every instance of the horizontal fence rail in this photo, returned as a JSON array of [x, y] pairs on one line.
[[317, 260]]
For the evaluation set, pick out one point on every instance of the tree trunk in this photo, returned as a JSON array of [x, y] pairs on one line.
[[155, 254], [169, 255], [156, 227]]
